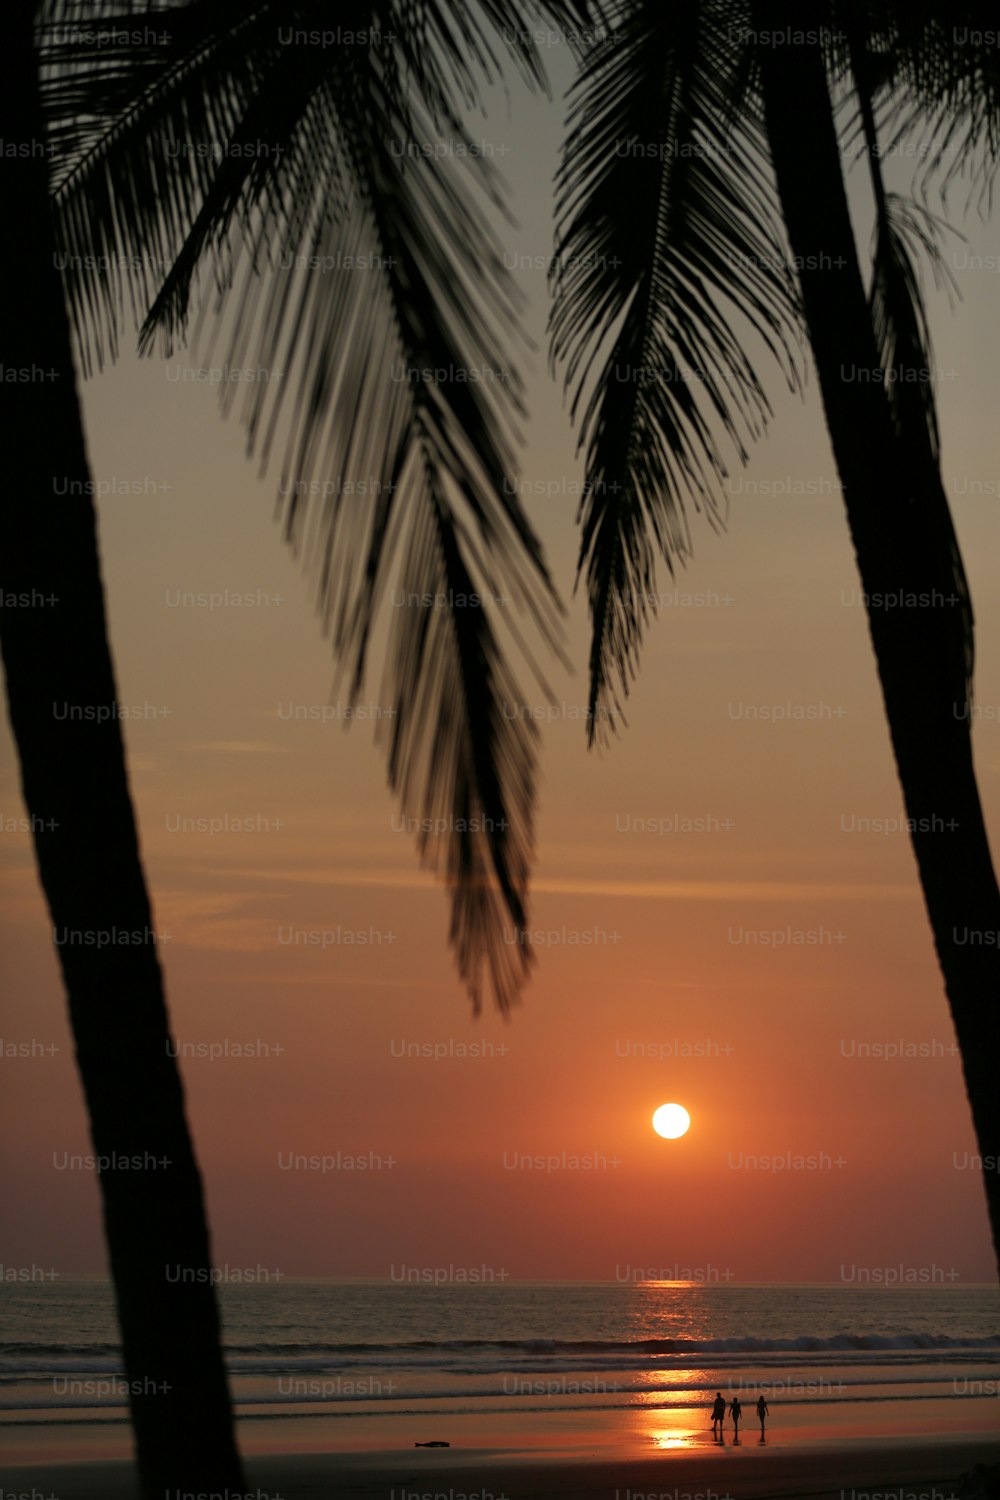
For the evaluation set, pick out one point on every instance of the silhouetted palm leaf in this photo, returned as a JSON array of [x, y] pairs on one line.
[[669, 247], [940, 91], [230, 142], [903, 234]]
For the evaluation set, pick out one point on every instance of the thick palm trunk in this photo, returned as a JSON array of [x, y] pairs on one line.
[[900, 534], [61, 694]]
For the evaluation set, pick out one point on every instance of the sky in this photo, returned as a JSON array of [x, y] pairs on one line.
[[716, 923]]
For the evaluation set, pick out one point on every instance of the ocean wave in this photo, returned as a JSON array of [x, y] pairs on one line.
[[440, 1406], [57, 1351], [804, 1343], [98, 1357]]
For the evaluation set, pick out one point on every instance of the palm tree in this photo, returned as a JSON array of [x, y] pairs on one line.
[[61, 694], [674, 249], [884, 440], [324, 154]]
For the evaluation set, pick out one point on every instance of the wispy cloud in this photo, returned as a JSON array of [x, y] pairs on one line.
[[680, 890]]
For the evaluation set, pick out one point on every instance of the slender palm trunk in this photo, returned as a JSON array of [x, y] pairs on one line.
[[62, 701], [900, 534]]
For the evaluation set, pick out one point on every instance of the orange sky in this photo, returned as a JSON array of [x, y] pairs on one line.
[[669, 968]]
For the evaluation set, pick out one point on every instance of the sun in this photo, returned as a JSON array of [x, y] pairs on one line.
[[671, 1121]]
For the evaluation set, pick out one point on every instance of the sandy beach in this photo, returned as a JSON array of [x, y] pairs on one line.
[[884, 1450], [929, 1469]]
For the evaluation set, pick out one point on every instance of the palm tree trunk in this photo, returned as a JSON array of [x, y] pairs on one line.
[[899, 535], [62, 701]]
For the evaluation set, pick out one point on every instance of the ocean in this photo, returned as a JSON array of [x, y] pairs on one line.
[[378, 1362]]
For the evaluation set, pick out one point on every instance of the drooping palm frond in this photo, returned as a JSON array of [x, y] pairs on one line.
[[941, 75], [904, 234], [669, 250], [327, 186], [900, 322], [129, 91]]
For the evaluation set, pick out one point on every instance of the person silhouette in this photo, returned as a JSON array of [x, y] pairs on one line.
[[736, 1411], [761, 1413], [718, 1414]]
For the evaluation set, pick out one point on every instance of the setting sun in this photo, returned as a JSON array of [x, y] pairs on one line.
[[671, 1121]]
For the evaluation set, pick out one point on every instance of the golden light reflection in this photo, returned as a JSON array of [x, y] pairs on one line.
[[675, 1429], [670, 1308], [679, 1418], [675, 1408], [673, 1387]]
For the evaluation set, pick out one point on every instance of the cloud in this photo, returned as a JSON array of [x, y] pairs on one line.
[[679, 890]]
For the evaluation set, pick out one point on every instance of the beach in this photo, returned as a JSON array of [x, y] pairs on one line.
[[536, 1389], [619, 1455], [922, 1469]]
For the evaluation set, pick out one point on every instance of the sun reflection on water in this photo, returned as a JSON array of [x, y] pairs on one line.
[[673, 1429], [666, 1418], [674, 1309]]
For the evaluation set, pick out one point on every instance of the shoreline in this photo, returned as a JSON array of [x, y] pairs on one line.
[[924, 1468], [645, 1429]]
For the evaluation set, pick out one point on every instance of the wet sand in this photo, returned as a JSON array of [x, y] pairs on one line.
[[921, 1469]]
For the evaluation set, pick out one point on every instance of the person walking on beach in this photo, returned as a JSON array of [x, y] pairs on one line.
[[761, 1413], [718, 1414], [736, 1411]]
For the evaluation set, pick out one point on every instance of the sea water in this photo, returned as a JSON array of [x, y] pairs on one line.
[[371, 1362]]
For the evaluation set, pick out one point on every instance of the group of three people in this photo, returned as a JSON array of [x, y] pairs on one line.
[[735, 1411]]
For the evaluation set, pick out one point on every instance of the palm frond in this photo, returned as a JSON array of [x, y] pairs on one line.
[[900, 322], [941, 80], [904, 234], [669, 257], [369, 292]]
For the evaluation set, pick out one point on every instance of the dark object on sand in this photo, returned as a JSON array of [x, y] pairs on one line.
[[432, 1445]]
